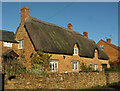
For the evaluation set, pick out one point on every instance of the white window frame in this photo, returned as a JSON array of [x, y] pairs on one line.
[[75, 65], [102, 47], [20, 45], [7, 44], [75, 51], [54, 66], [96, 67]]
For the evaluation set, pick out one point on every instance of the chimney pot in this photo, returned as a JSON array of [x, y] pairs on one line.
[[24, 14], [70, 27], [85, 34], [109, 41]]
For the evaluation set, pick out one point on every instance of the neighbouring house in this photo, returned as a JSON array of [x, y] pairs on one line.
[[68, 48], [111, 50], [8, 45]]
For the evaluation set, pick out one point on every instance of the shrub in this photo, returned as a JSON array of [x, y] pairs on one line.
[[36, 69], [84, 68], [42, 59], [112, 70], [13, 66]]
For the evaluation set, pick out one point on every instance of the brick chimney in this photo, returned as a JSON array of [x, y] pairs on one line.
[[85, 34], [109, 41], [70, 27], [24, 14]]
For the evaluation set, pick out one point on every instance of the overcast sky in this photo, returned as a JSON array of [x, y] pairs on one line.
[[100, 20]]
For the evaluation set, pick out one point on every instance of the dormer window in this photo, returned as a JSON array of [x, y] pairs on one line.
[[75, 51], [96, 53], [101, 46]]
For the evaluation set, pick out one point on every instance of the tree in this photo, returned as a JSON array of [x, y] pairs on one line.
[[13, 66]]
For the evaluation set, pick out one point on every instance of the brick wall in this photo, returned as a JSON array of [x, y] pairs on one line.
[[4, 49], [28, 48], [66, 64], [113, 77], [62, 81]]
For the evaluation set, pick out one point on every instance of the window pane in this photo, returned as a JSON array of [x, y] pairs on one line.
[[96, 66], [7, 44], [90, 65], [101, 46], [21, 44], [54, 66], [75, 51], [75, 65], [72, 65]]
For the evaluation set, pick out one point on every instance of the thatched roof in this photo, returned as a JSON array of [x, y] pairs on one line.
[[52, 38], [7, 36]]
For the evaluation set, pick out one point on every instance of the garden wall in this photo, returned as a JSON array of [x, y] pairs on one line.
[[62, 81]]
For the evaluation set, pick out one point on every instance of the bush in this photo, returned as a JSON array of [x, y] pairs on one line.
[[36, 69], [13, 66], [41, 58], [112, 70], [84, 68]]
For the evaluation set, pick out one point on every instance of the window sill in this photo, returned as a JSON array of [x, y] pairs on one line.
[[20, 48], [74, 70]]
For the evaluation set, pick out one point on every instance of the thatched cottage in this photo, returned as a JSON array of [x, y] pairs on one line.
[[68, 48]]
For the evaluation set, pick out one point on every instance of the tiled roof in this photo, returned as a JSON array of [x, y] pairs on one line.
[[112, 45]]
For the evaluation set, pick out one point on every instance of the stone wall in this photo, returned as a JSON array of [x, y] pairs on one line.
[[113, 77], [62, 81]]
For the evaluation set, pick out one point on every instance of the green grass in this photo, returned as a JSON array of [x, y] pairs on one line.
[[109, 84]]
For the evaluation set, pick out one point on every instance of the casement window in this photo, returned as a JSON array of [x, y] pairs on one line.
[[90, 65], [75, 51], [108, 65], [54, 66], [101, 46], [20, 45], [7, 44], [75, 65], [95, 67]]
